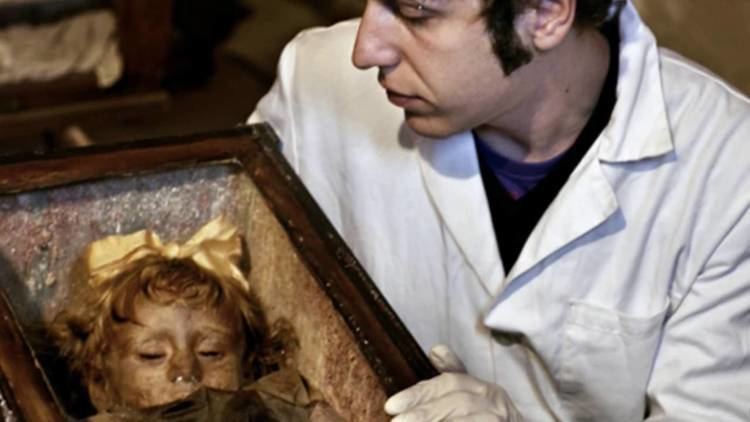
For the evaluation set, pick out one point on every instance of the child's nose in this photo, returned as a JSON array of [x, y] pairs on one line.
[[185, 368]]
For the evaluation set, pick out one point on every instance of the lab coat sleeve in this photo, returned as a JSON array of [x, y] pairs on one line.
[[277, 107], [702, 369]]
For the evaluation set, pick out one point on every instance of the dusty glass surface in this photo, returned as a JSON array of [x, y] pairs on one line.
[[43, 232]]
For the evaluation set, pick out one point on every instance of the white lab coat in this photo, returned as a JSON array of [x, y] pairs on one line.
[[632, 292]]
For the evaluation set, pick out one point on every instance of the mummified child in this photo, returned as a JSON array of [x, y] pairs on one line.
[[151, 325]]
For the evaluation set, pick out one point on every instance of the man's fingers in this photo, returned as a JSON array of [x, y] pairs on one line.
[[444, 360], [432, 389], [408, 399], [453, 405], [477, 417]]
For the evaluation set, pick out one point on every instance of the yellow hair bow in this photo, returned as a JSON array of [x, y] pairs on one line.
[[216, 247]]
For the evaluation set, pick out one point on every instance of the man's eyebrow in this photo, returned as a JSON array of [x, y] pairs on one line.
[[429, 4], [395, 3]]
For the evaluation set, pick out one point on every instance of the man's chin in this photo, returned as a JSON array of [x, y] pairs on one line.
[[431, 126]]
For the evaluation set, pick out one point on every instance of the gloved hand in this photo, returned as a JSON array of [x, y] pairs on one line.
[[451, 396]]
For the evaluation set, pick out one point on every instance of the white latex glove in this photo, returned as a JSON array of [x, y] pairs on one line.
[[451, 396]]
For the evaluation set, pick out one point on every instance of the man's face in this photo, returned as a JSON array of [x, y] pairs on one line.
[[168, 352], [437, 63]]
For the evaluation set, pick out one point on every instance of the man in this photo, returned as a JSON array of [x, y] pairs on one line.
[[560, 203]]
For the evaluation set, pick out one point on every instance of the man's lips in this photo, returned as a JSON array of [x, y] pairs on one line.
[[402, 100]]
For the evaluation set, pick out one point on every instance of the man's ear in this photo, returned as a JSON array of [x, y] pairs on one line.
[[548, 22]]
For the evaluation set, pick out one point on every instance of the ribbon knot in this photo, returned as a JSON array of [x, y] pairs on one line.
[[172, 250], [216, 247]]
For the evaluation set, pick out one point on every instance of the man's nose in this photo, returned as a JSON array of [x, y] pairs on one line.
[[375, 44], [185, 368]]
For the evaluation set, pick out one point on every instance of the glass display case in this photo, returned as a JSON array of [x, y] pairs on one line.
[[352, 346]]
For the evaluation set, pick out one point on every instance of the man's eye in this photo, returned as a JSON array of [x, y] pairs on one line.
[[413, 12]]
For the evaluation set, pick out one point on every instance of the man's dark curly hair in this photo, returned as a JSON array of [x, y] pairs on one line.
[[501, 15]]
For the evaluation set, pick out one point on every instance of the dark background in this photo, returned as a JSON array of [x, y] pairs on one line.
[[220, 58]]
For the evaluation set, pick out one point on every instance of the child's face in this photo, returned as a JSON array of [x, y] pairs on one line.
[[170, 351]]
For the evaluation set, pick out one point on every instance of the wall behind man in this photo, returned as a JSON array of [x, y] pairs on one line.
[[714, 33]]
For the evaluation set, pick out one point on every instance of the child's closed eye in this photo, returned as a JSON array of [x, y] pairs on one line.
[[151, 356], [211, 354]]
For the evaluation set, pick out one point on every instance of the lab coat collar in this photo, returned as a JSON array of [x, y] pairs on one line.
[[450, 170], [584, 202], [639, 127]]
